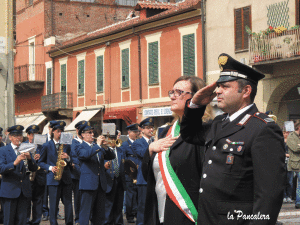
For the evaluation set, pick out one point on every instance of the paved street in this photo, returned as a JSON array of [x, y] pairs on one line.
[[288, 215]]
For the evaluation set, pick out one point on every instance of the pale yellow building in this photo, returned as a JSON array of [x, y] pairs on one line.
[[275, 54]]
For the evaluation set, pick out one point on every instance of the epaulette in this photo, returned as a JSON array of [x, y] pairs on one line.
[[263, 117]]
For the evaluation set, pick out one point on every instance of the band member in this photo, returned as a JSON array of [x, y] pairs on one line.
[[140, 146], [38, 181], [75, 170], [58, 188], [116, 185], [92, 183], [45, 200], [1, 135], [244, 168], [15, 187], [131, 189]]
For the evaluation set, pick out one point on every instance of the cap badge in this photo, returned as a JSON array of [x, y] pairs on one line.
[[82, 123], [61, 123], [222, 61], [18, 128], [150, 120], [33, 127]]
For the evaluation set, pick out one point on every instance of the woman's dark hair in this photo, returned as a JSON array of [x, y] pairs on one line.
[[196, 82]]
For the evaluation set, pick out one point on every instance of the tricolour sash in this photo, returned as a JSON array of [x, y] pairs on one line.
[[173, 185]]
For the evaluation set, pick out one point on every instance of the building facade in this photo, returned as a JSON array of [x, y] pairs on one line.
[[265, 45], [41, 24], [122, 73]]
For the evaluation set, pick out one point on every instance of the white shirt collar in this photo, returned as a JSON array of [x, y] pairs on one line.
[[78, 139], [89, 143], [236, 114], [55, 142], [131, 140], [13, 146], [147, 139], [49, 136]]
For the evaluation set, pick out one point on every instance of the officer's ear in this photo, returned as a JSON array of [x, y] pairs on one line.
[[247, 91]]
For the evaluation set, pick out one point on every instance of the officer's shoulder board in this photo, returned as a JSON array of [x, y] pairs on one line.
[[261, 116]]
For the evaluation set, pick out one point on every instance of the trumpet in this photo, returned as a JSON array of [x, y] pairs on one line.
[[110, 143]]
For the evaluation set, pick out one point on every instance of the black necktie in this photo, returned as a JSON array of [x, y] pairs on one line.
[[225, 122]]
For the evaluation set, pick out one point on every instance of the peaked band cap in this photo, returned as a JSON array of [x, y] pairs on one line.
[[32, 129], [147, 122], [133, 127], [59, 125], [17, 129], [80, 123], [84, 127], [232, 69], [52, 123]]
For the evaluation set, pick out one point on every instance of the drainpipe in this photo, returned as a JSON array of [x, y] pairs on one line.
[[52, 20], [140, 63], [203, 18]]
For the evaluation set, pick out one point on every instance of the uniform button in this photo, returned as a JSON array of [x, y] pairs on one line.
[[231, 149], [214, 148], [201, 190], [21, 181], [20, 172], [98, 174], [209, 162], [204, 175]]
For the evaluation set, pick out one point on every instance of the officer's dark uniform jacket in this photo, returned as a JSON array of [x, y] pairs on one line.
[[243, 170]]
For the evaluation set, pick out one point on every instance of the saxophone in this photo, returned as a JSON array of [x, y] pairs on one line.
[[60, 164]]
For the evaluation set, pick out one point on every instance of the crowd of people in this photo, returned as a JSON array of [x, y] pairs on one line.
[[230, 169]]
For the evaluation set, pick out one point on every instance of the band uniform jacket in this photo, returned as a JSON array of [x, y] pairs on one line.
[[92, 170], [140, 146], [15, 180], [186, 160], [244, 168], [130, 155], [40, 175], [49, 158], [110, 173], [75, 171]]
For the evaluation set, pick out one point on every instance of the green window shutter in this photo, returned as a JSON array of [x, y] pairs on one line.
[[125, 68], [63, 78], [49, 81], [188, 45], [153, 62], [100, 73], [81, 77]]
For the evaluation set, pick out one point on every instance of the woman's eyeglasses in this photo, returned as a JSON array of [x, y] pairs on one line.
[[177, 93]]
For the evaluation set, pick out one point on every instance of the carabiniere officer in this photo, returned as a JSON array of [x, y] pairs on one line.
[[244, 171]]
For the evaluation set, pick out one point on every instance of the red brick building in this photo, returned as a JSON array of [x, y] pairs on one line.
[[41, 24], [123, 72]]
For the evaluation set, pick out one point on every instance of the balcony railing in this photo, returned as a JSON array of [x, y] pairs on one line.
[[274, 46], [29, 72], [54, 102]]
